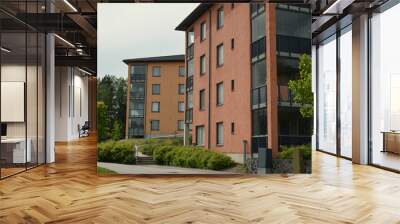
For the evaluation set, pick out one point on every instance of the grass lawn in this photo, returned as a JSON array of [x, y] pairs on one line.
[[101, 170]]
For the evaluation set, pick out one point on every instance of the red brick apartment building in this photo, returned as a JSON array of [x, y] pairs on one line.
[[239, 59]]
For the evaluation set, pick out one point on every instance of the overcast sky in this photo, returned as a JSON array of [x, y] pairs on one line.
[[132, 30]]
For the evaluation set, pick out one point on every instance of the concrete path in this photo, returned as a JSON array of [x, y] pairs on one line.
[[155, 169]]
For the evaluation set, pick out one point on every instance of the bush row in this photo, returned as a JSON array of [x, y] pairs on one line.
[[191, 157], [117, 151]]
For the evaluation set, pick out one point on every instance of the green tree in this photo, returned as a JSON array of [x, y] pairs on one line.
[[116, 132], [102, 122], [301, 88], [112, 91]]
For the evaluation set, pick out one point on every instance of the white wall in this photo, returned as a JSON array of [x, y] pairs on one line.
[[71, 102]]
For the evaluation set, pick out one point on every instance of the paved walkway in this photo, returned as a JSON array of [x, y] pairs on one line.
[[154, 169]]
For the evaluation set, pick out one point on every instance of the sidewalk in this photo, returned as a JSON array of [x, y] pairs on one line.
[[155, 169]]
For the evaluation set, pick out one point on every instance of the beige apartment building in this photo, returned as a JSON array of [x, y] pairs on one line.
[[156, 96]]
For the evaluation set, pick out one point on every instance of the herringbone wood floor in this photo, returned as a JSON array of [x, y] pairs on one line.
[[70, 191]]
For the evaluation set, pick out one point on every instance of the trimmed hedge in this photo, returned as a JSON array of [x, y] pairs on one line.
[[191, 157], [117, 151]]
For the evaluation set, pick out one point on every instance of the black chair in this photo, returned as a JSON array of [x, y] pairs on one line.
[[84, 130]]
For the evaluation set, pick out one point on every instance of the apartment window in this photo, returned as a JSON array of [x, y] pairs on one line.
[[200, 135], [181, 71], [190, 37], [155, 89], [156, 71], [203, 28], [220, 55], [190, 67], [155, 107], [220, 18], [220, 133], [232, 85], [202, 99], [232, 128], [233, 43], [181, 106], [155, 125], [181, 89], [258, 73], [181, 125], [220, 94], [202, 64]]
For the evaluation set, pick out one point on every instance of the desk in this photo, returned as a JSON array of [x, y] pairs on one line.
[[391, 141], [13, 150]]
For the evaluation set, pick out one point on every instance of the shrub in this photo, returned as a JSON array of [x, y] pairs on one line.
[[219, 161], [148, 149], [117, 152], [160, 154], [192, 157], [288, 151]]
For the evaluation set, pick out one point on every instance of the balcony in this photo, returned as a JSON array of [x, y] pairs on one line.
[[285, 97]]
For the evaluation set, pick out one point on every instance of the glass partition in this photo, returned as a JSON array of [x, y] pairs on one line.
[[22, 95], [327, 95], [346, 92], [385, 89]]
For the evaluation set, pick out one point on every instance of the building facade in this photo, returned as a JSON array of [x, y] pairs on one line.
[[356, 81], [239, 60], [156, 96]]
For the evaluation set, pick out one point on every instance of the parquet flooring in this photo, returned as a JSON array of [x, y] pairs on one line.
[[69, 191]]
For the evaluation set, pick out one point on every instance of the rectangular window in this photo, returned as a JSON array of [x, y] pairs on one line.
[[202, 64], [181, 125], [220, 55], [232, 85], [155, 107], [181, 106], [190, 67], [156, 71], [182, 71], [220, 18], [232, 128], [259, 122], [202, 99], [181, 89], [220, 133], [258, 73], [232, 43], [155, 89], [190, 38], [203, 28], [200, 135], [155, 125], [220, 93]]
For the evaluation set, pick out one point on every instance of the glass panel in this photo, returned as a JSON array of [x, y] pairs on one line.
[[41, 99], [31, 99], [346, 94], [259, 73], [14, 154], [327, 96], [259, 122], [258, 27], [385, 89]]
